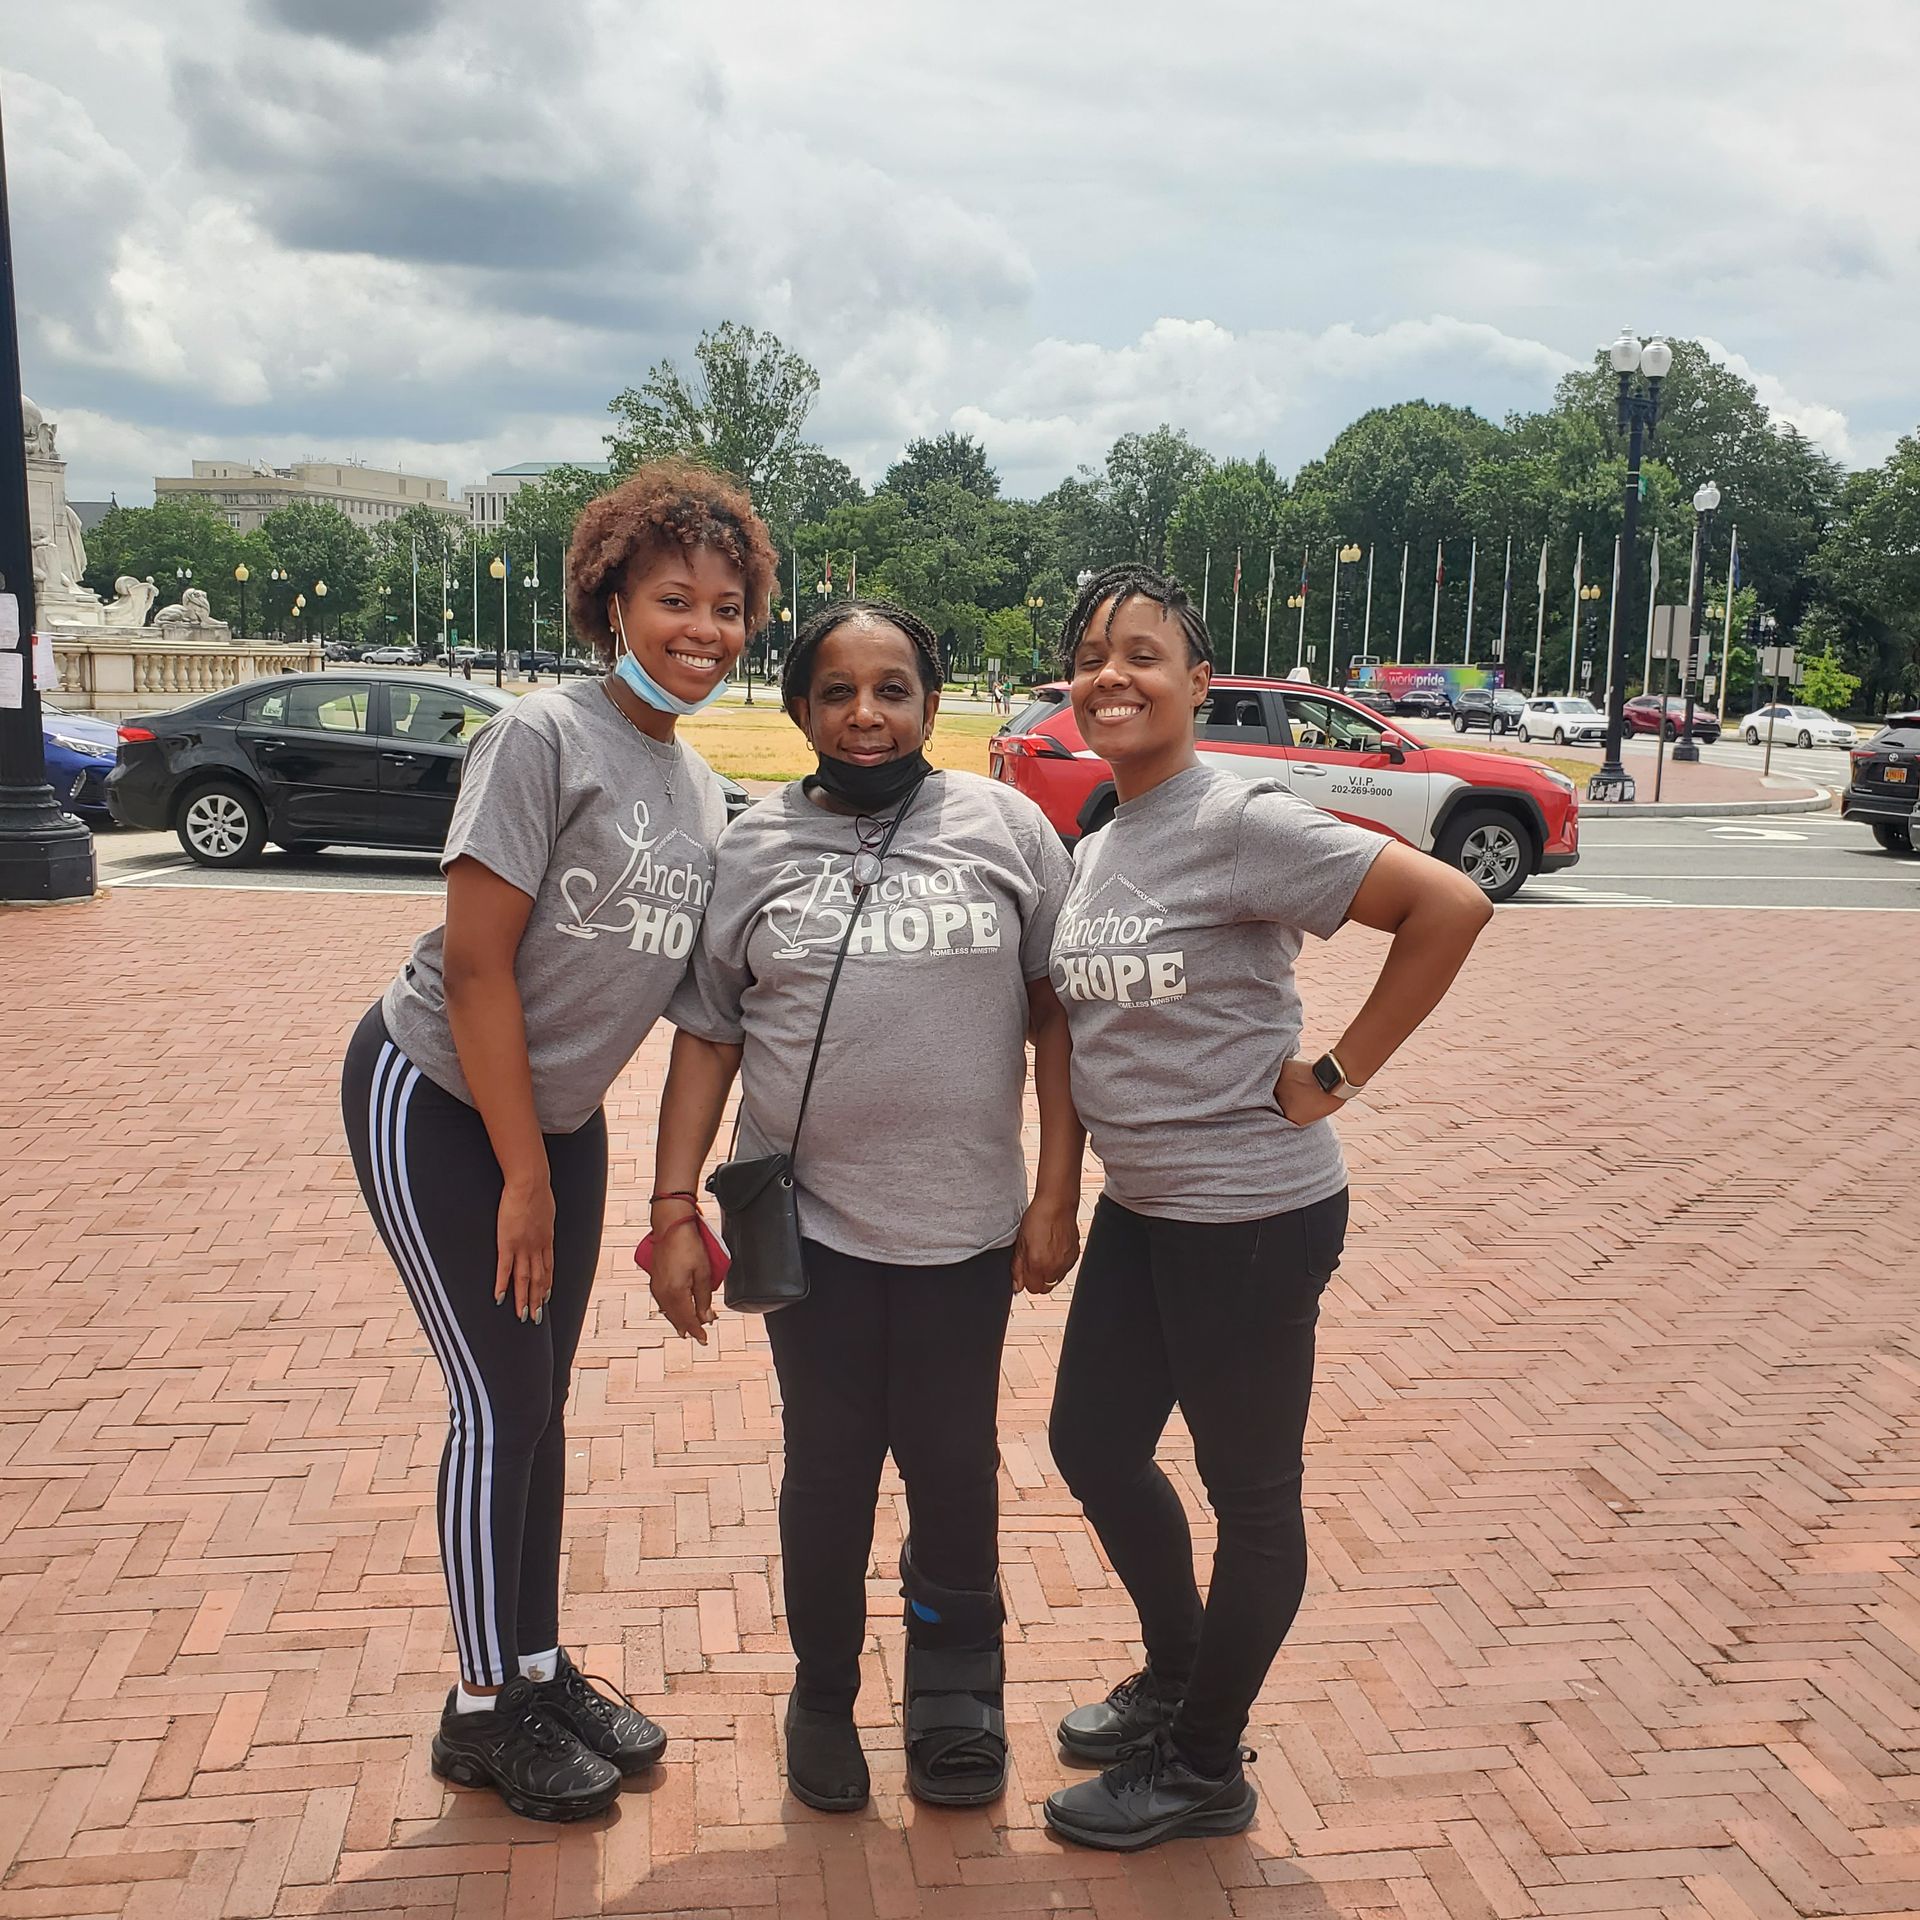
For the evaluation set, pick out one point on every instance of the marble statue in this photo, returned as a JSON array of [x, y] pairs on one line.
[[194, 610], [132, 602]]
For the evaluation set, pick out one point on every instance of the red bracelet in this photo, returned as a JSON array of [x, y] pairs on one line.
[[654, 1199], [690, 1220]]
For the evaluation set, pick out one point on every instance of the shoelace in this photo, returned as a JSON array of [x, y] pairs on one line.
[[580, 1689], [1129, 1689], [1141, 1767]]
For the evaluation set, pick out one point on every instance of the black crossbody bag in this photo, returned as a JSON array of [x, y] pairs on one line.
[[759, 1210]]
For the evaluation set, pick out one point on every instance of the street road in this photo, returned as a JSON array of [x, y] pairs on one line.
[[1793, 860]]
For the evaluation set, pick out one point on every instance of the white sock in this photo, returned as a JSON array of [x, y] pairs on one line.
[[465, 1702], [540, 1666]]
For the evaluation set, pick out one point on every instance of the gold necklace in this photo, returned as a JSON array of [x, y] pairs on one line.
[[667, 751]]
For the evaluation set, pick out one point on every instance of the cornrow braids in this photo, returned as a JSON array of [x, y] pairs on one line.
[[1119, 584], [796, 675]]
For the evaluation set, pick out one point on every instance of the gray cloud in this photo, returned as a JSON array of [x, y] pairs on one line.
[[354, 23]]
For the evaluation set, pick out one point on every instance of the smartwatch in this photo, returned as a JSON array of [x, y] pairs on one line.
[[1332, 1077]]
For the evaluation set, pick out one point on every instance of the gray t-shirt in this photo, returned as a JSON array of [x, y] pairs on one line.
[[1174, 959], [912, 1149], [612, 835]]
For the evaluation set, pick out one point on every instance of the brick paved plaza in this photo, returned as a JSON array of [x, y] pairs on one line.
[[1613, 1475]]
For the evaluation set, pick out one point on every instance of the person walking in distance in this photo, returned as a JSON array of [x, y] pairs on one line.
[[578, 866], [929, 897], [1225, 1205]]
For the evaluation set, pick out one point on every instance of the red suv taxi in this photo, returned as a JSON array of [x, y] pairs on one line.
[[1498, 818]]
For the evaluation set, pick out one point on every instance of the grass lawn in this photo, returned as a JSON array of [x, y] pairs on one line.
[[759, 743]]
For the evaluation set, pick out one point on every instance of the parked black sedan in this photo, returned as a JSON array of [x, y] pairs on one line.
[[308, 760], [1422, 703]]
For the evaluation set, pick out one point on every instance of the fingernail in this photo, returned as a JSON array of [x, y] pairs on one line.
[[522, 1312], [537, 1312]]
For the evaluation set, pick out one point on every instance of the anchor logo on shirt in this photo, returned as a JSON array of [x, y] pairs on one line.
[[654, 894]]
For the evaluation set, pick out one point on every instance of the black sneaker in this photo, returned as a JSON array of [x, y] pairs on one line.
[[537, 1767], [1153, 1795], [1127, 1718], [614, 1729], [825, 1765]]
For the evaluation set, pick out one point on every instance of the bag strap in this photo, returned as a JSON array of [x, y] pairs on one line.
[[840, 960], [833, 981]]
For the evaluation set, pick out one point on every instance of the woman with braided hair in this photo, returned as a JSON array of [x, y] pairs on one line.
[[941, 889], [1225, 1205]]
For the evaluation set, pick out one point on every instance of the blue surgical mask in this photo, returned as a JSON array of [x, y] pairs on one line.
[[647, 687]]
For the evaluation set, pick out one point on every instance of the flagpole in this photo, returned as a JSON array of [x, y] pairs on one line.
[[1266, 647], [1726, 635], [1439, 581], [1573, 645], [1206, 580], [1473, 573], [476, 592], [1539, 624], [1233, 645], [1506, 599], [1300, 640], [1653, 596], [1366, 636], [415, 541], [1400, 632]]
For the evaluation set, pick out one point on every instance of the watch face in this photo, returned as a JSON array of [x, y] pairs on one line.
[[1327, 1073]]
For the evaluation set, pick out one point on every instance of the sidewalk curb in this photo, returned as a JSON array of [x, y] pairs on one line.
[[1816, 802]]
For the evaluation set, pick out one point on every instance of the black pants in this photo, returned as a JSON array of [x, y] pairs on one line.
[[433, 1185], [1220, 1320], [878, 1357]]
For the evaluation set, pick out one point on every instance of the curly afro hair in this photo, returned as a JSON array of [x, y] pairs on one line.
[[666, 502]]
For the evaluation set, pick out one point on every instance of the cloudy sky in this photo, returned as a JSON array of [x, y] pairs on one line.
[[441, 236]]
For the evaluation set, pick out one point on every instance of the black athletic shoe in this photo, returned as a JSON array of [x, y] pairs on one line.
[[1153, 1795], [825, 1765], [532, 1761], [614, 1729], [1127, 1718]]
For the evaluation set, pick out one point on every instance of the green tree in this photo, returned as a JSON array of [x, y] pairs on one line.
[[1232, 513], [318, 544], [741, 410], [1824, 682], [956, 457], [178, 533], [820, 484], [1145, 476]]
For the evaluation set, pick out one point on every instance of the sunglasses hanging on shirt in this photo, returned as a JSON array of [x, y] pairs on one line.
[[873, 835]]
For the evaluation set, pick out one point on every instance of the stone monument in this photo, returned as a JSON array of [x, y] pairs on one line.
[[64, 606]]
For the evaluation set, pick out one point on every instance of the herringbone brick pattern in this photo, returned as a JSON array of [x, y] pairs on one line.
[[1613, 1476]]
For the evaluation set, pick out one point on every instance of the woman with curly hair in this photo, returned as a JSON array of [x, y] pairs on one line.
[[578, 867], [939, 891]]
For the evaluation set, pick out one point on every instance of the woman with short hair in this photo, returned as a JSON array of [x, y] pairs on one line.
[[578, 866], [941, 888], [1225, 1207]]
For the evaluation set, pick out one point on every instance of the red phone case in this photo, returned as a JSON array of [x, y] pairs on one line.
[[718, 1258]]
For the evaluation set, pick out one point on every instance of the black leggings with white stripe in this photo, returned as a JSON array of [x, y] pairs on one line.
[[430, 1178]]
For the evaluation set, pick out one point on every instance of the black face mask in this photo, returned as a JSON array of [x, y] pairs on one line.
[[869, 789]]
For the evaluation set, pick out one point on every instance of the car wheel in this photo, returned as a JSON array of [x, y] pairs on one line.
[[1491, 848], [1526, 739], [222, 825], [1559, 736], [1672, 732], [1753, 736], [1459, 723], [1893, 837], [1806, 739]]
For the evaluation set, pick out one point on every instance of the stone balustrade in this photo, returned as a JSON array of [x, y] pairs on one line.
[[141, 671]]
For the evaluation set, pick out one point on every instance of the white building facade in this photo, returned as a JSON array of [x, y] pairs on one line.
[[486, 504], [244, 492]]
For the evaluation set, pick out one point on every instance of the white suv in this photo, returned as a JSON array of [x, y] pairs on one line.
[[1561, 720]]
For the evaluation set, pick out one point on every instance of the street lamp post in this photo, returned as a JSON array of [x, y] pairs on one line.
[[1297, 604], [1637, 411], [242, 576], [497, 568], [1765, 635], [1590, 594], [1345, 555], [1035, 602], [1705, 503], [319, 593]]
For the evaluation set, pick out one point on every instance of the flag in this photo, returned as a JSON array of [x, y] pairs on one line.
[[1734, 564], [1439, 563], [829, 575], [1653, 585], [1303, 576], [1236, 573], [1543, 566]]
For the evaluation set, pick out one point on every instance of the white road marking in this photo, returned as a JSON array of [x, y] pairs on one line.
[[270, 886], [1756, 833]]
